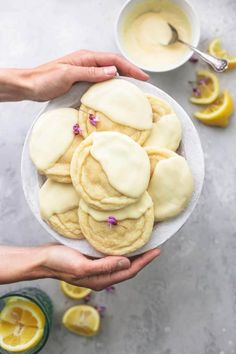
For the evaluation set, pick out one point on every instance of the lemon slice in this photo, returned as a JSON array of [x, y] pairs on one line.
[[219, 112], [216, 49], [206, 88], [21, 325], [74, 292], [83, 320], [24, 311]]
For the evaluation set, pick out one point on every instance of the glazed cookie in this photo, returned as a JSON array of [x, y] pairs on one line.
[[171, 184], [166, 131], [121, 231], [110, 170], [159, 107], [116, 105], [53, 141], [58, 204]]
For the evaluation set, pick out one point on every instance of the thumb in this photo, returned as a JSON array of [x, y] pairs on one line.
[[92, 73], [107, 265]]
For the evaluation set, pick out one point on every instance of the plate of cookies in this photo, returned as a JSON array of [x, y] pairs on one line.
[[112, 168]]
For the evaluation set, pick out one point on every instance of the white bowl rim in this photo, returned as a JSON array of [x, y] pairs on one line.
[[163, 228], [176, 66]]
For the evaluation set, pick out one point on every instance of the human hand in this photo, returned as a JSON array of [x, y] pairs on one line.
[[70, 265], [56, 78], [64, 263]]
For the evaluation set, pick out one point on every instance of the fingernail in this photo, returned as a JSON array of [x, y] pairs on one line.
[[110, 70], [123, 264]]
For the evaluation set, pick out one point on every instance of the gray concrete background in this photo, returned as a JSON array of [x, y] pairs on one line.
[[185, 302]]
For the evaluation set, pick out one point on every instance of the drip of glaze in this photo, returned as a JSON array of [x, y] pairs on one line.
[[125, 163], [171, 187], [121, 101], [166, 133], [51, 136], [133, 211], [57, 198]]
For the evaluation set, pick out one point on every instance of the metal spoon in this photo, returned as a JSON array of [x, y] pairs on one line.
[[217, 64]]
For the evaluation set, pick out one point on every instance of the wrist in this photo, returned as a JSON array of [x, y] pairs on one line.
[[18, 264], [15, 84]]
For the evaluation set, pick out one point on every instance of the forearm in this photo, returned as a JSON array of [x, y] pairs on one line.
[[18, 263], [15, 84]]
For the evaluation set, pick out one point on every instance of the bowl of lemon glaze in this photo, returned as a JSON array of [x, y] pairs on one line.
[[143, 33]]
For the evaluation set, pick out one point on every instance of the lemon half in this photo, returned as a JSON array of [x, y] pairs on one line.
[[21, 325], [216, 49], [207, 86], [219, 112], [74, 292], [83, 320]]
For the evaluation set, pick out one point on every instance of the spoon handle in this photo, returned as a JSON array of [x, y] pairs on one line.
[[217, 64]]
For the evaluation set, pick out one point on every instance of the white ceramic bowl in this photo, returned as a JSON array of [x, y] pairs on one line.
[[190, 148], [130, 5]]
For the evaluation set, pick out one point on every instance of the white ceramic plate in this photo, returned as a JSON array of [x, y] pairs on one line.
[[190, 148]]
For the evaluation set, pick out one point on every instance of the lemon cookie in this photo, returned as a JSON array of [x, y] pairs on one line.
[[159, 107], [171, 183], [121, 231], [110, 170], [166, 131], [58, 204], [54, 138], [116, 105]]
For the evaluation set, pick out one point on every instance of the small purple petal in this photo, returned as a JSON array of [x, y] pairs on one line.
[[76, 129], [193, 60], [196, 92], [111, 220], [87, 298], [111, 289], [203, 81], [93, 120], [101, 309]]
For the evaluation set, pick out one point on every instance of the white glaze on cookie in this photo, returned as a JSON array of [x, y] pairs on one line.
[[171, 187], [125, 163], [51, 136], [57, 198], [121, 101], [133, 211], [165, 133]]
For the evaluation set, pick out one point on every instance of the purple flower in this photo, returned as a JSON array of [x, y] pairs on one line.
[[101, 309], [111, 289], [193, 60], [196, 92], [112, 221], [93, 120], [76, 129]]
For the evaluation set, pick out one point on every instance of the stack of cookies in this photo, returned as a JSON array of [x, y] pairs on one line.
[[111, 167]]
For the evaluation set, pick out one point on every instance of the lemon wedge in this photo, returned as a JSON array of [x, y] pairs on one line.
[[83, 320], [206, 89], [219, 112], [74, 292], [21, 325], [216, 49]]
